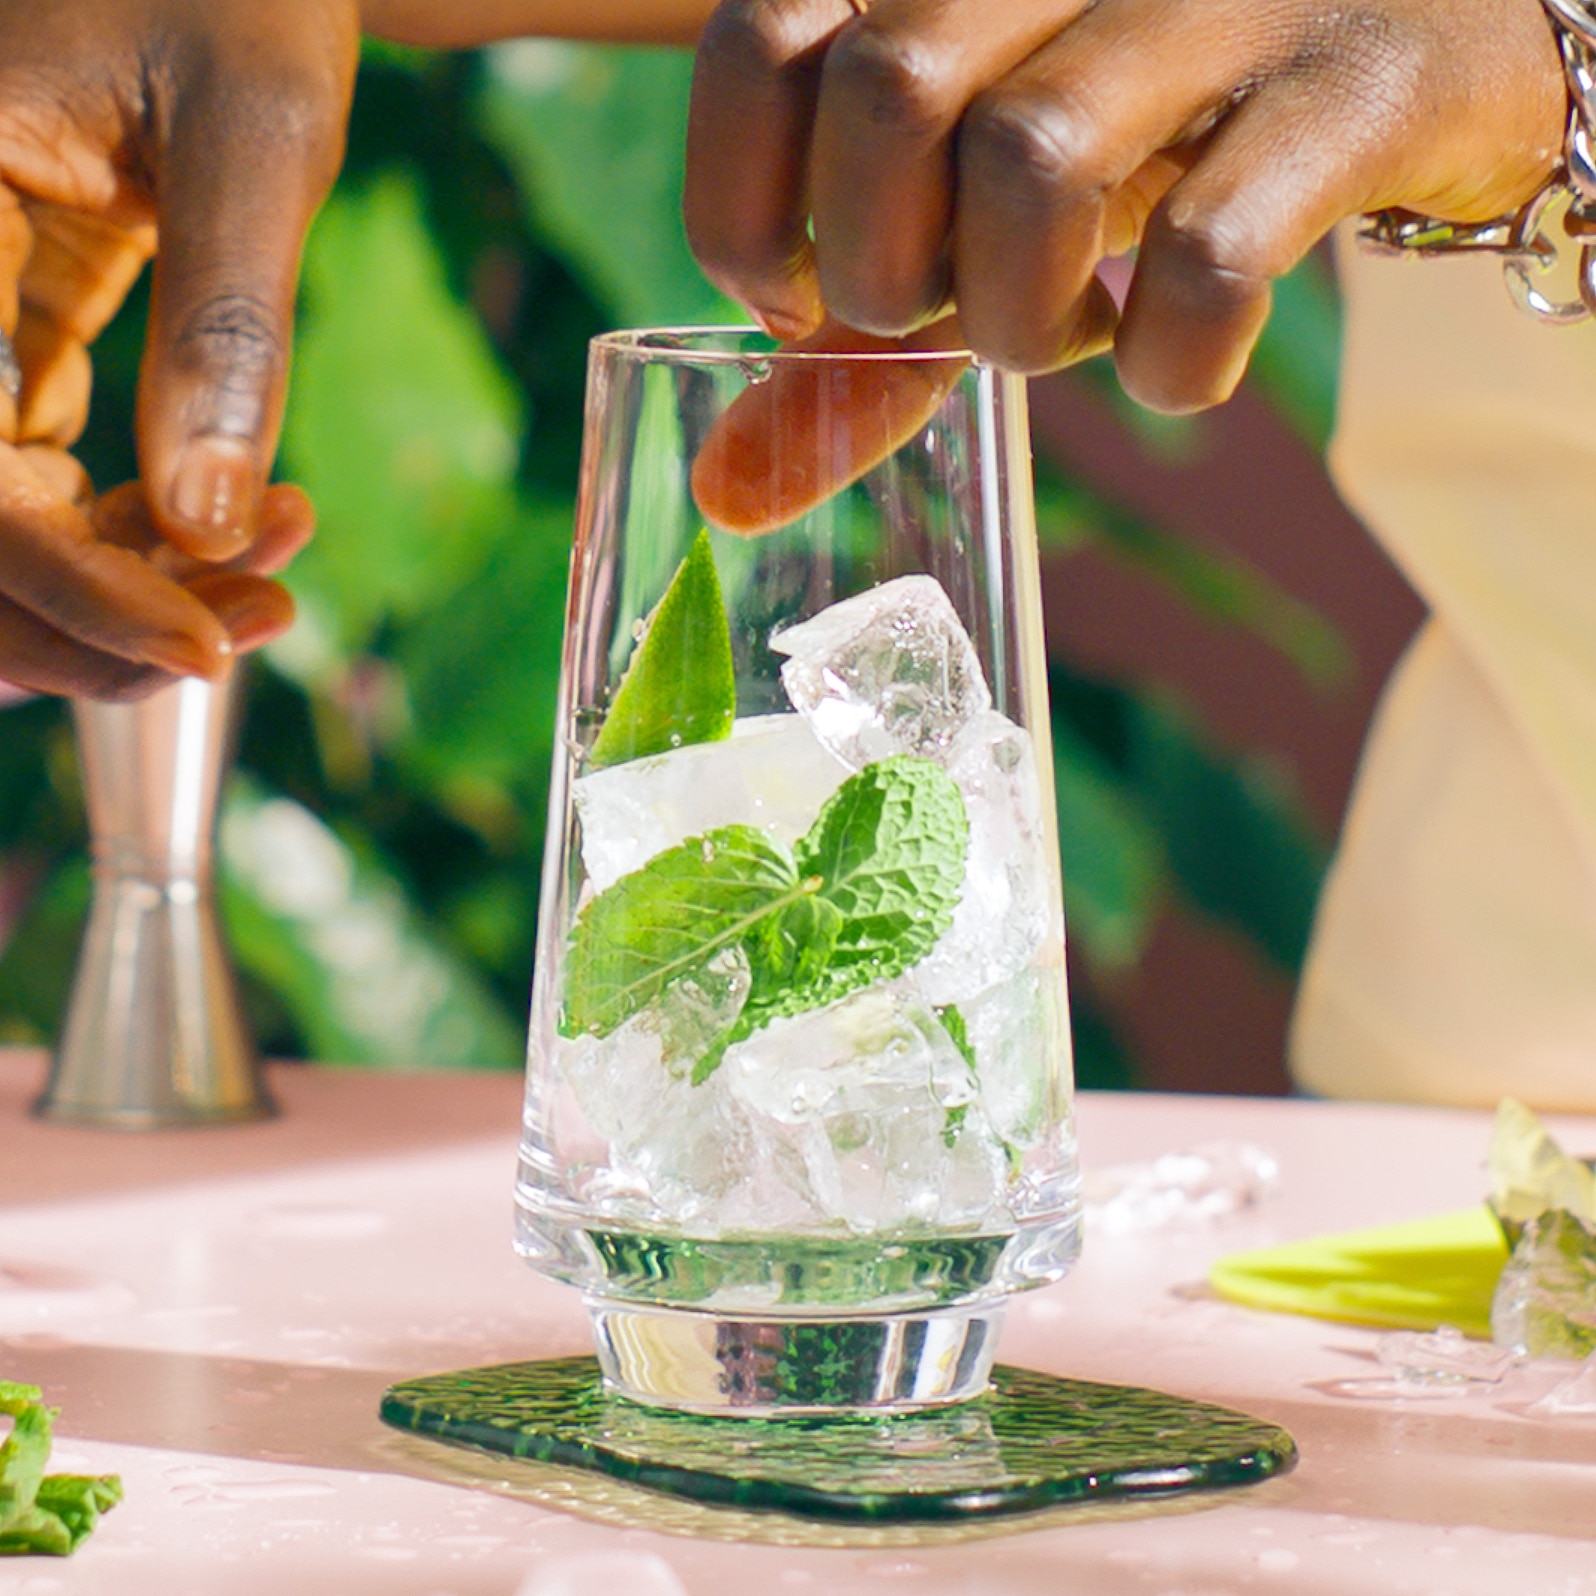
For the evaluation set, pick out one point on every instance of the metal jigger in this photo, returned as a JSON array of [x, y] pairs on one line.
[[155, 1034]]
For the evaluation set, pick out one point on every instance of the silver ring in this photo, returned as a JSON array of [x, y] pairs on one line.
[[10, 368]]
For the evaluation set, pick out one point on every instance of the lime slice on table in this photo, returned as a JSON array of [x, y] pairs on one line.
[[679, 687]]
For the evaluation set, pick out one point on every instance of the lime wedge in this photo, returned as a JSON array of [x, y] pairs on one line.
[[679, 687]]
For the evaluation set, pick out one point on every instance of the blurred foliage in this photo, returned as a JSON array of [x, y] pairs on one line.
[[381, 847]]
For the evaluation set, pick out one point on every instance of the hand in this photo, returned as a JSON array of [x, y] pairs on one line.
[[95, 603], [206, 132], [990, 156]]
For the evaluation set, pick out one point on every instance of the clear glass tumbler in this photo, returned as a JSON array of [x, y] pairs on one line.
[[799, 1094]]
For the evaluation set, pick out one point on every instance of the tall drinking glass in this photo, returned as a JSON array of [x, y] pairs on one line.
[[799, 1097]]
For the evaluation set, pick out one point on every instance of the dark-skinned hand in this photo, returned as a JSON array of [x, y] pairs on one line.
[[882, 168], [206, 133]]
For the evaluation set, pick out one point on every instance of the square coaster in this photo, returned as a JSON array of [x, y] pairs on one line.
[[1032, 1442]]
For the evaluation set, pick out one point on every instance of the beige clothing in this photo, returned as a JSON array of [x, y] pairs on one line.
[[1454, 955]]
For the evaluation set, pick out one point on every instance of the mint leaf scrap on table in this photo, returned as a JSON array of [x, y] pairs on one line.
[[680, 686], [862, 898], [42, 1514]]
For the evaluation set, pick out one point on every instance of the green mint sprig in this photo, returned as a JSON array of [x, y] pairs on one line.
[[680, 685], [864, 896], [951, 1018], [39, 1513]]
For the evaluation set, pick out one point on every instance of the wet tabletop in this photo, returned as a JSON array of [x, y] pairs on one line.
[[218, 1312]]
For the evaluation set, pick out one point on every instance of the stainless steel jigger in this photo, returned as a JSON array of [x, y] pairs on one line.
[[155, 1034]]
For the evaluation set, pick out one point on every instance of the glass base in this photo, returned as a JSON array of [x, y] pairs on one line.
[[704, 1363]]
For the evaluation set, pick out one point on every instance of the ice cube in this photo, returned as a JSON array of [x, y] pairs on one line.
[[673, 1149], [889, 671], [1545, 1302], [1207, 1183], [771, 774], [1577, 1394], [880, 1104], [1005, 909], [675, 1153], [1020, 1036], [1445, 1357]]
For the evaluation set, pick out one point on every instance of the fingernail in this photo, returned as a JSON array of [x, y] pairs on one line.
[[783, 325], [213, 487], [183, 655], [255, 620]]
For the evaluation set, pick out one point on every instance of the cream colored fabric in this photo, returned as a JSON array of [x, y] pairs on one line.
[[1454, 956]]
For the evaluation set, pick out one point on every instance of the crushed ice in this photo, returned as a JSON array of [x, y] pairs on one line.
[[866, 1113], [1443, 1357], [1195, 1187]]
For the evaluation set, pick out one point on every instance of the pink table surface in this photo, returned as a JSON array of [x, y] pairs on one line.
[[218, 1312]]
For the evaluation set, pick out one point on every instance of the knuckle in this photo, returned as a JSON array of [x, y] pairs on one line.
[[1034, 148], [281, 111], [236, 340], [291, 112], [890, 80], [757, 39], [1212, 262]]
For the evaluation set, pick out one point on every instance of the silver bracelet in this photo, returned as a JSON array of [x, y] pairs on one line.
[[1520, 238]]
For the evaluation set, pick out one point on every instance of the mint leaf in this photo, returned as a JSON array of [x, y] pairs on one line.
[[76, 1502], [889, 848], [871, 889], [23, 1455], [953, 1124], [951, 1017], [43, 1514], [668, 920], [680, 686], [793, 948]]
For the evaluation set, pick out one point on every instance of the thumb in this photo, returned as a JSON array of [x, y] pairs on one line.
[[252, 145], [787, 444]]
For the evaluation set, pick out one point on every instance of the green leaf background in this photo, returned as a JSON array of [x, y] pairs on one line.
[[496, 211]]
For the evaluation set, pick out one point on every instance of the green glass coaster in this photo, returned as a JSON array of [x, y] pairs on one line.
[[1032, 1442]]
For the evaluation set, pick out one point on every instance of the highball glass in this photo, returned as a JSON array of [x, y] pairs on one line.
[[799, 1096]]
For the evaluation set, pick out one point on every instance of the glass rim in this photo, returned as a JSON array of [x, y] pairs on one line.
[[635, 342]]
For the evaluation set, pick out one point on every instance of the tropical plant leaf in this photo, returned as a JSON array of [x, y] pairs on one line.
[[481, 671], [404, 427], [575, 121], [1239, 845], [1236, 842], [365, 977], [41, 956], [1115, 871]]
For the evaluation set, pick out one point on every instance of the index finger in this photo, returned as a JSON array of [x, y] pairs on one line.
[[745, 202], [52, 565]]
